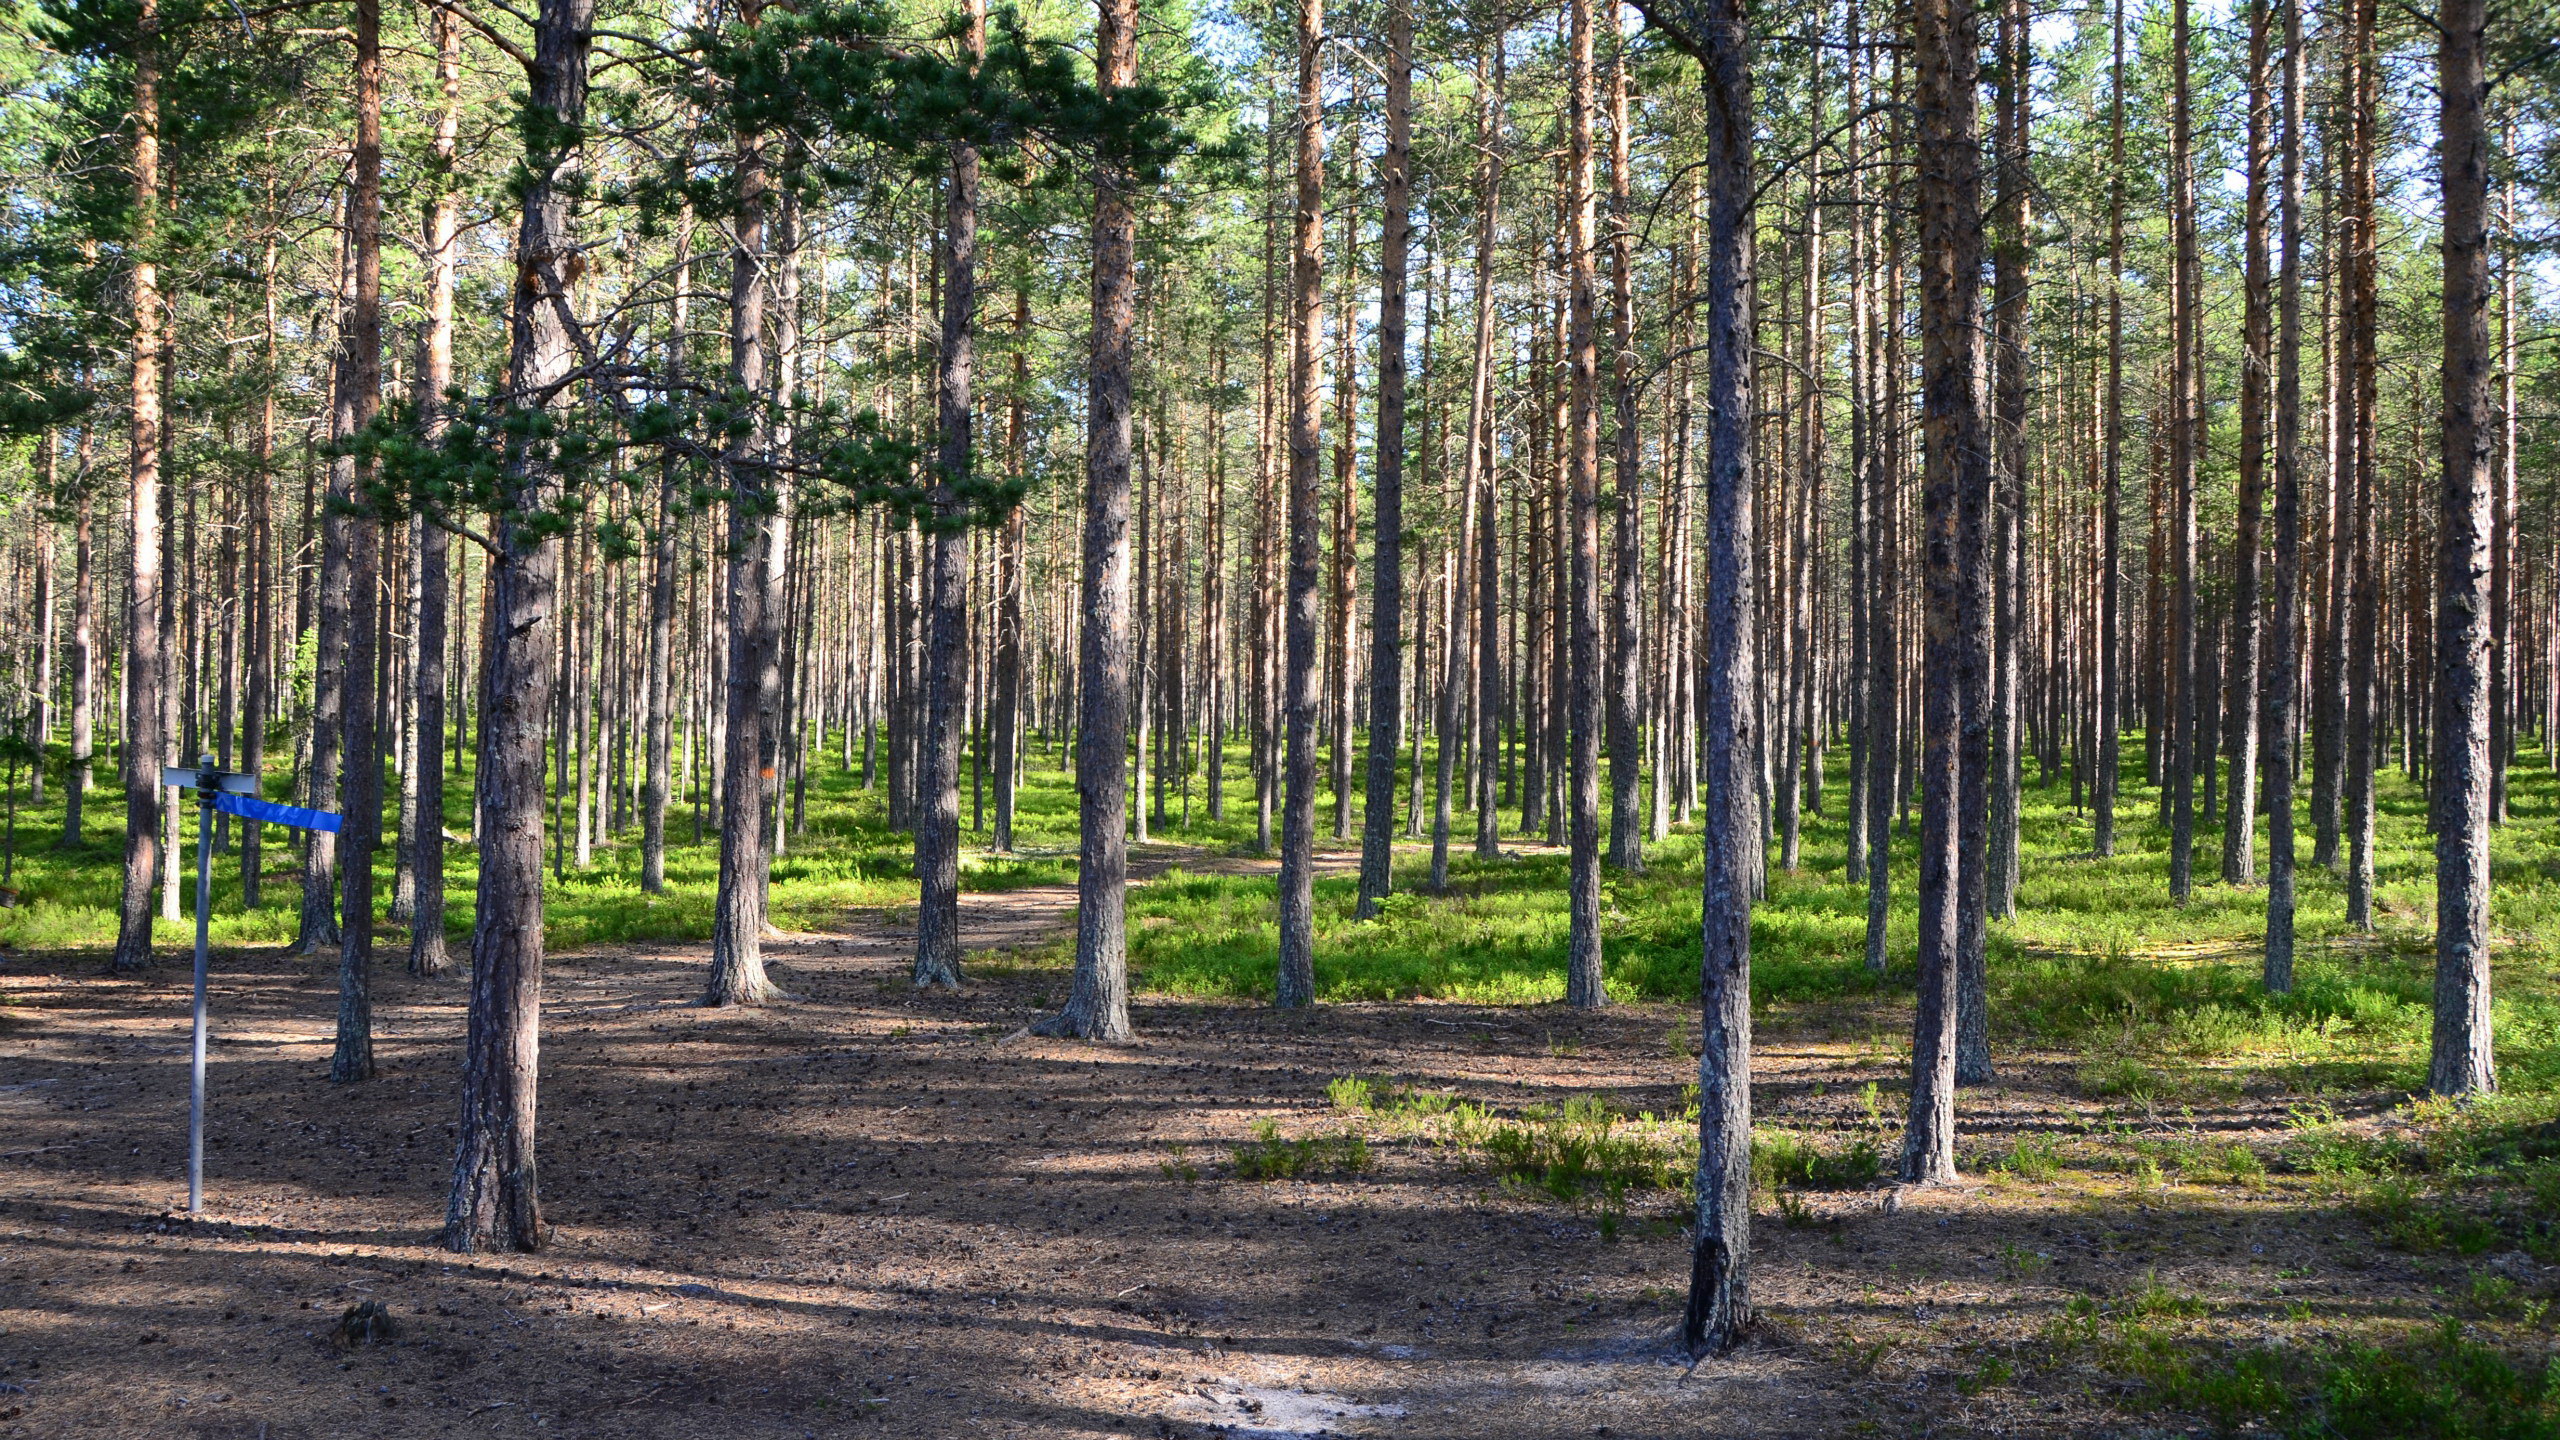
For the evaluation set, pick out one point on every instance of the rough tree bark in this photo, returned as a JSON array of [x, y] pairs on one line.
[[146, 741], [2281, 719], [2111, 562], [1098, 1006], [1626, 670], [758, 559], [435, 372], [1717, 34], [2185, 434], [496, 1202], [1583, 985], [656, 786], [1946, 37], [947, 575], [2459, 1060], [1386, 589], [2241, 652], [1296, 982]]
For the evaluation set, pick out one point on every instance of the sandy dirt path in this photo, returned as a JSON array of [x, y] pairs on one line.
[[867, 1211]]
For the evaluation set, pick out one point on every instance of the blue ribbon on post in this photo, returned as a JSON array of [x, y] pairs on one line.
[[267, 810]]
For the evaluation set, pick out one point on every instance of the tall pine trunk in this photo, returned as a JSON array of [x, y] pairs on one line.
[[496, 1202], [2281, 716], [1583, 985], [1098, 1006], [1386, 589], [146, 740], [1956, 463], [1626, 598], [2460, 1061], [758, 562], [2240, 740], [947, 582], [1295, 983], [435, 372], [1717, 34]]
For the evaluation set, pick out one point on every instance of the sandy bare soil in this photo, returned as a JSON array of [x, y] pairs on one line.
[[868, 1211]]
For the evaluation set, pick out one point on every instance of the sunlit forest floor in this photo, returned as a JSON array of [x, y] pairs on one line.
[[1439, 1204]]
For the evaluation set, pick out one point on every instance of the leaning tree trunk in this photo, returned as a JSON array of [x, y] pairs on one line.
[[1098, 1006], [497, 1199], [1956, 462], [2459, 1061], [1296, 982], [1583, 986], [146, 745], [1386, 590]]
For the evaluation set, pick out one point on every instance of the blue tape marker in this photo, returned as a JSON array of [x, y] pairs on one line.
[[274, 814]]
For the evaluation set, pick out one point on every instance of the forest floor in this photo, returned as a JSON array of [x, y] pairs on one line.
[[867, 1210]]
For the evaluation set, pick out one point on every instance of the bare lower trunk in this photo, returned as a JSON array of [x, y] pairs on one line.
[[1296, 984], [758, 563], [359, 399], [1386, 591], [1957, 462], [1583, 985], [656, 786], [496, 1202], [1098, 1007], [2281, 718], [1718, 1315], [146, 743], [2240, 676], [1626, 670], [2185, 433], [2460, 1060], [946, 706]]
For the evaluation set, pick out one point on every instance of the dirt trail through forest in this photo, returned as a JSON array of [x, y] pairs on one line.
[[870, 1211]]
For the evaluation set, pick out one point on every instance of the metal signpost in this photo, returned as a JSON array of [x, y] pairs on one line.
[[231, 793]]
